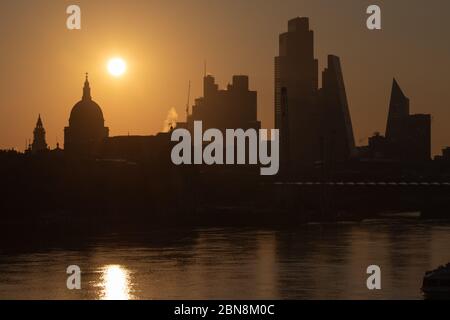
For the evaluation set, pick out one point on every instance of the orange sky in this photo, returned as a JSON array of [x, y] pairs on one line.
[[165, 43]]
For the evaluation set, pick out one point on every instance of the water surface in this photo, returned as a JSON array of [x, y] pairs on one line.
[[309, 262]]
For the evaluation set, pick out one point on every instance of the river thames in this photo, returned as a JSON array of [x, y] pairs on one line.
[[314, 261]]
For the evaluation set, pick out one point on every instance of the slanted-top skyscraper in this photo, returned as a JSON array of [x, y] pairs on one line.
[[398, 112], [408, 137], [314, 124], [336, 130]]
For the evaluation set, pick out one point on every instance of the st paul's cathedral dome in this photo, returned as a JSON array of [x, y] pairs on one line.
[[86, 128]]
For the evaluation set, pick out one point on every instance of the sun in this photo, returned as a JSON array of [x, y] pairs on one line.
[[117, 67]]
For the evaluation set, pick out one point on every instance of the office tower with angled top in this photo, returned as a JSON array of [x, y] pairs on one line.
[[408, 137]]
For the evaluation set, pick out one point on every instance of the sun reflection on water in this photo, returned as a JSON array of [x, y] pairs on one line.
[[115, 283]]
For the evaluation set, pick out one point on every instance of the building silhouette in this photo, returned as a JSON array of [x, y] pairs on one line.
[[314, 120], [87, 136], [296, 85], [136, 148], [314, 124], [398, 112], [336, 131], [39, 143], [86, 130], [408, 137], [446, 154], [235, 107]]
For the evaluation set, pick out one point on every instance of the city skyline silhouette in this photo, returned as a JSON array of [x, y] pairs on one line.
[[138, 103], [224, 150]]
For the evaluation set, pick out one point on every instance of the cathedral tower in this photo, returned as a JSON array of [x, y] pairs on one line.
[[39, 143]]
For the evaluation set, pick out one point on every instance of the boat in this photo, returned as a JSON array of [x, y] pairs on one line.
[[436, 283]]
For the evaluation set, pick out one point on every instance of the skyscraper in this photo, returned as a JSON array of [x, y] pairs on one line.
[[408, 137], [296, 74], [336, 125], [314, 124], [398, 114]]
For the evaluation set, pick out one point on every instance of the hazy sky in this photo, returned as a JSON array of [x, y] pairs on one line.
[[165, 43]]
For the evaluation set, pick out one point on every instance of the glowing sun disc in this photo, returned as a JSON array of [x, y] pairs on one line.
[[117, 67]]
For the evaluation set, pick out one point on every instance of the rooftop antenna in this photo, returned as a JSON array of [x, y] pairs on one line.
[[188, 101]]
